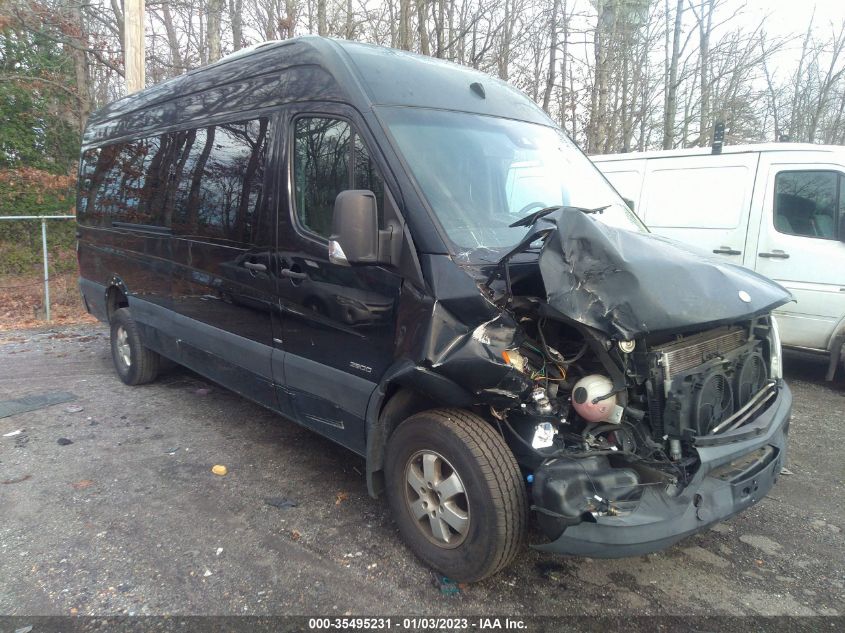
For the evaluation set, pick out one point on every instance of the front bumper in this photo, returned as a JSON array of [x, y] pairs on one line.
[[737, 470]]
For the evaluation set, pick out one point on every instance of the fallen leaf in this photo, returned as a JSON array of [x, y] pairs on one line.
[[295, 535], [82, 483], [340, 497]]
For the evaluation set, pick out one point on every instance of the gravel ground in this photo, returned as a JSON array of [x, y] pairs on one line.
[[128, 518]]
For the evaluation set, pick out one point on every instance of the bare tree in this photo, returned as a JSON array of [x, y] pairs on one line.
[[215, 13]]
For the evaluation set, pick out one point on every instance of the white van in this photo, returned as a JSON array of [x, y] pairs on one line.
[[778, 209]]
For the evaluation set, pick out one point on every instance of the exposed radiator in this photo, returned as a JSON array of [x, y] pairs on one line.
[[692, 351]]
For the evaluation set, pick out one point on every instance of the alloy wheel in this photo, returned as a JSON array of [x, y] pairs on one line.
[[437, 499]]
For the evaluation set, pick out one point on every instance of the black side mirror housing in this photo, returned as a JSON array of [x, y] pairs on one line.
[[356, 238]]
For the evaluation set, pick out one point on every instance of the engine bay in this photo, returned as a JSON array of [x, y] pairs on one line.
[[607, 418]]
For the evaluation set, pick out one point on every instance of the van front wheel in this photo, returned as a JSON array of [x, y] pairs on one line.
[[456, 493], [134, 363]]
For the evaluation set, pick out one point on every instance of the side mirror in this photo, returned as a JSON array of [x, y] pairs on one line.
[[355, 237]]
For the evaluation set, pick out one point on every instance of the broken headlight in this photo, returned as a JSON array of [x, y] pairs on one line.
[[775, 361]]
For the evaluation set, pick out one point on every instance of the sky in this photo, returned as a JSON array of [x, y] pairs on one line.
[[787, 16]]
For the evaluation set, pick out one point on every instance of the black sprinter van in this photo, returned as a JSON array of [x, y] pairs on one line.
[[410, 258]]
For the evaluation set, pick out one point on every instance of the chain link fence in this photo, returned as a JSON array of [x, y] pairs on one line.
[[45, 255]]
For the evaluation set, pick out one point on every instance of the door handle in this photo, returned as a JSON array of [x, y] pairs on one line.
[[726, 250], [287, 272], [261, 268], [775, 254]]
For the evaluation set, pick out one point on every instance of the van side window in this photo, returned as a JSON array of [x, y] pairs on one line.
[[164, 159], [207, 181], [807, 203], [329, 157], [220, 174], [112, 183], [95, 171]]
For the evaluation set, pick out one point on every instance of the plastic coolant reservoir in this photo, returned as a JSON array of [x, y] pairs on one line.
[[588, 389]]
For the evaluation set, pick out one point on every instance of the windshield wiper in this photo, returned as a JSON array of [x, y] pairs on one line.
[[530, 219]]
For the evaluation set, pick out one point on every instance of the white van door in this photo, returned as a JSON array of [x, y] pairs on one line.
[[799, 246], [626, 176], [701, 200]]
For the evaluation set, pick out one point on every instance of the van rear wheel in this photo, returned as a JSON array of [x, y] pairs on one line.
[[456, 493], [134, 363]]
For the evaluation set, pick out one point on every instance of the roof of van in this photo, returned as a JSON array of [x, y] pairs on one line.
[[727, 149], [310, 68]]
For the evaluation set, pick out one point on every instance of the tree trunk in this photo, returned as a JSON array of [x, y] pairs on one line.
[[405, 24], [799, 83], [507, 36], [705, 27], [597, 131], [235, 10], [422, 32], [172, 39], [82, 75], [550, 77], [321, 18], [441, 26], [215, 9], [671, 102]]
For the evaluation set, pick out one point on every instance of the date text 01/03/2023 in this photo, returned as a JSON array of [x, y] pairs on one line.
[[416, 623]]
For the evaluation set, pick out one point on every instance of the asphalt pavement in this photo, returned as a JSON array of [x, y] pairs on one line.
[[108, 505]]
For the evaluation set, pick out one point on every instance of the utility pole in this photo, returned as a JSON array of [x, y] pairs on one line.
[[133, 27]]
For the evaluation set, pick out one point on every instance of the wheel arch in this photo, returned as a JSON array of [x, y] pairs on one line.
[[835, 349], [117, 296], [405, 389]]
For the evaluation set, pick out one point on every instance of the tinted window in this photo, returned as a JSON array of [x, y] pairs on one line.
[[97, 171], [329, 157], [807, 203], [165, 158], [220, 191], [206, 181]]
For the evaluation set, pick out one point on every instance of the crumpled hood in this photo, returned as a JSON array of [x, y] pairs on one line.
[[627, 284]]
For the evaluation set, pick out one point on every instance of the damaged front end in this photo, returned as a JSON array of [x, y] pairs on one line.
[[696, 433], [637, 382]]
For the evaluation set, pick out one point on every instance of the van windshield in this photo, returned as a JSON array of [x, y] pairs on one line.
[[480, 174]]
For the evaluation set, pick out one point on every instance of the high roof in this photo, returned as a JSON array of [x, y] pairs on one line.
[[309, 68], [727, 149]]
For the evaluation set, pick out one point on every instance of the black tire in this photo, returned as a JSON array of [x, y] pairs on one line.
[[143, 364], [494, 500]]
